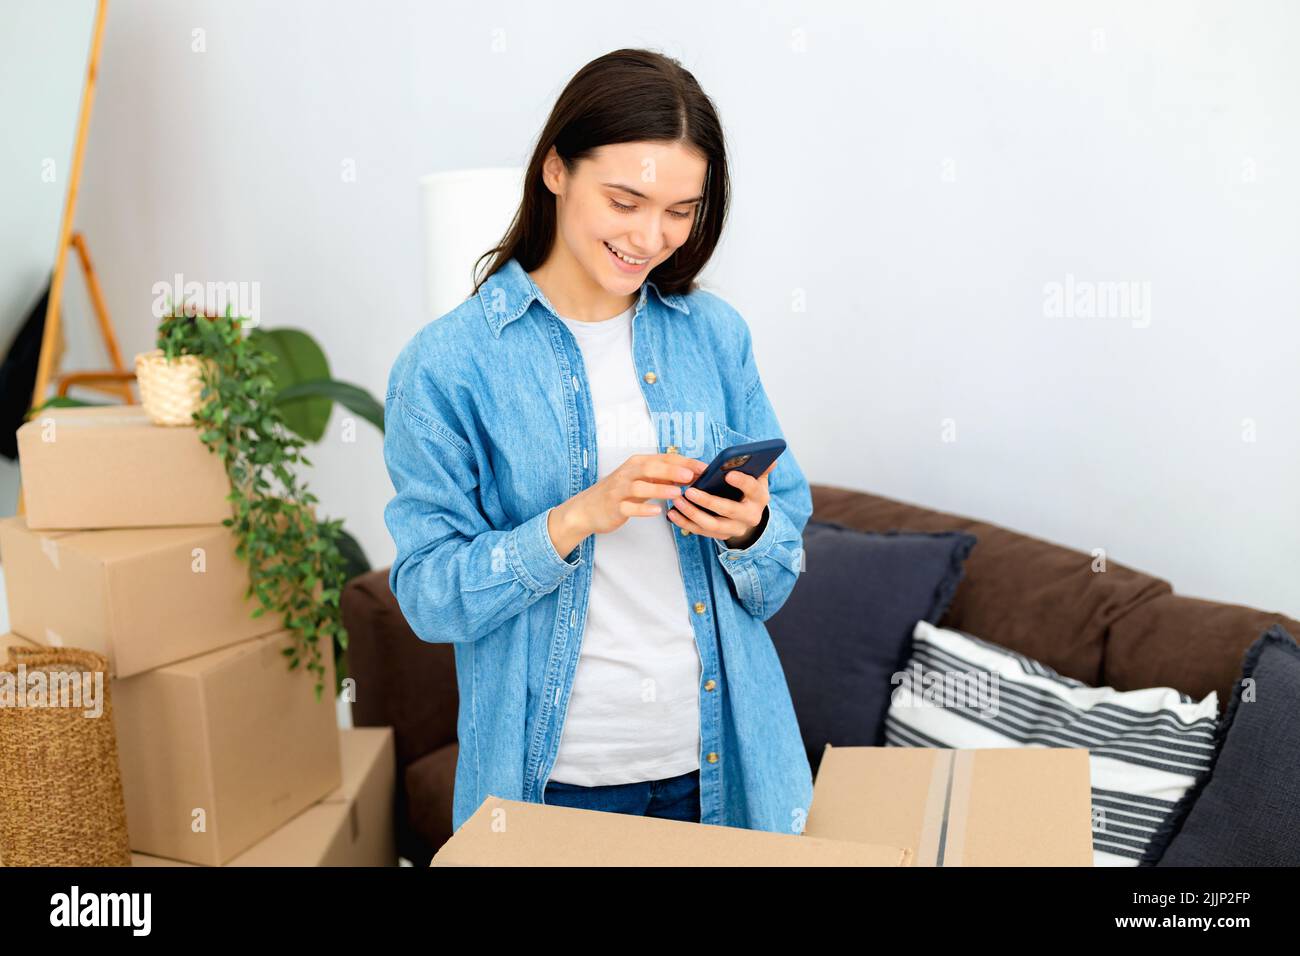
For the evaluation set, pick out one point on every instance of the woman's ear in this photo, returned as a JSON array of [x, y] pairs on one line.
[[553, 172]]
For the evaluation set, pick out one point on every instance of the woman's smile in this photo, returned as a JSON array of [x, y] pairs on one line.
[[625, 262]]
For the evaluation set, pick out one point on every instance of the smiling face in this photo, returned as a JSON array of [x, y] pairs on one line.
[[625, 209]]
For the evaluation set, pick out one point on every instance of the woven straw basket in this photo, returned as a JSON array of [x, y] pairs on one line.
[[61, 801], [170, 391]]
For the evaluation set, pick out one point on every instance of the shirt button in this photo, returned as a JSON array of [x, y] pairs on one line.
[[699, 607], [650, 377], [709, 684], [683, 531], [713, 758], [671, 449], [575, 383], [732, 557]]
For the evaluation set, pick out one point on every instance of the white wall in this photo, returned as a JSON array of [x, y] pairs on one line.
[[908, 178], [43, 53]]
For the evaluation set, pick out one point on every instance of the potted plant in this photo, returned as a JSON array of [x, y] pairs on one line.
[[295, 564], [170, 385]]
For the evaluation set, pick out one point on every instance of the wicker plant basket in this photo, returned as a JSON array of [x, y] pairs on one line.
[[61, 801], [170, 391]]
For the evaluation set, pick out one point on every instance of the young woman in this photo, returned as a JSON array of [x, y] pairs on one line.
[[541, 437]]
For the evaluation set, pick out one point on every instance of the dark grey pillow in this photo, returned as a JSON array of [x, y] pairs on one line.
[[846, 628], [1246, 810]]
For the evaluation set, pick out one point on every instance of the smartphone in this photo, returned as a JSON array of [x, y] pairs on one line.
[[752, 458]]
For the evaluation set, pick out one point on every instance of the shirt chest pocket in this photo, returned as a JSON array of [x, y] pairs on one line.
[[724, 436], [705, 440]]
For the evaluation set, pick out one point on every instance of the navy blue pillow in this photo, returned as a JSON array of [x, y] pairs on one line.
[[1246, 810], [846, 628]]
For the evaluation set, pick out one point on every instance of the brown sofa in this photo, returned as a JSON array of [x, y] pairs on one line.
[[1123, 628]]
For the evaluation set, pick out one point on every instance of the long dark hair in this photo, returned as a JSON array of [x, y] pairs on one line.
[[623, 97]]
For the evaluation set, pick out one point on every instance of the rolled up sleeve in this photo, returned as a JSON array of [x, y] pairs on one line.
[[456, 578], [765, 573]]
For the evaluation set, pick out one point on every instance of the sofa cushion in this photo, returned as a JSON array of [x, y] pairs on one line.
[[400, 681], [1194, 645], [1026, 594], [1146, 748], [847, 625], [1246, 811], [430, 784]]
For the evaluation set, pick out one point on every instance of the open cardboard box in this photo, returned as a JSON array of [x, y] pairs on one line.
[[513, 833], [872, 806], [1020, 806]]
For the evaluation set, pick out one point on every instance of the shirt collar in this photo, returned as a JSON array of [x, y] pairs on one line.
[[507, 293]]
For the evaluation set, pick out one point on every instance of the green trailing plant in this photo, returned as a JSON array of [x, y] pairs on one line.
[[296, 565], [306, 393]]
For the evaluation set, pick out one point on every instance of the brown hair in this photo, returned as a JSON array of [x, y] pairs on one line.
[[622, 97]]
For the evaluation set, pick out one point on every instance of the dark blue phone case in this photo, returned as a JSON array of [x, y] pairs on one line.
[[760, 455]]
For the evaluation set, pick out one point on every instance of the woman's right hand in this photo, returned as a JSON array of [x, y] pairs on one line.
[[629, 491]]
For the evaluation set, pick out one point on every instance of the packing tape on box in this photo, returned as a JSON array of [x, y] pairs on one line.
[[958, 808], [53, 638], [927, 851], [50, 548], [947, 808]]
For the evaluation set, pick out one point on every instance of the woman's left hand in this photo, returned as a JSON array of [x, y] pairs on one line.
[[732, 522]]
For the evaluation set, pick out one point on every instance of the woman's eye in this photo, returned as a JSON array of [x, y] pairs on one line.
[[622, 208]]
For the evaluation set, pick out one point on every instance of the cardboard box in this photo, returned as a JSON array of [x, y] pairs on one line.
[[1026, 806], [514, 833], [142, 597], [112, 467], [351, 826], [369, 781], [219, 751]]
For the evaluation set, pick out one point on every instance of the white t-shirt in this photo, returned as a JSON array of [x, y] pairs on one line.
[[634, 711]]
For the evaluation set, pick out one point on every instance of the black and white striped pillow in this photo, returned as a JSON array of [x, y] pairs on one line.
[[1146, 747]]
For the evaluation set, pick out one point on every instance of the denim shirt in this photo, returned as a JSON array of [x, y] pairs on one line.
[[488, 425]]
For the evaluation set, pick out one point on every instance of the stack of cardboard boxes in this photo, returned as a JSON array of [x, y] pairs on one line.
[[227, 757]]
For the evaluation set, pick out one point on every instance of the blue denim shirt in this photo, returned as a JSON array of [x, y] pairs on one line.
[[488, 425]]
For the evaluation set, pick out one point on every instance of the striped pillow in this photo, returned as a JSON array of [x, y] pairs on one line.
[[1146, 747]]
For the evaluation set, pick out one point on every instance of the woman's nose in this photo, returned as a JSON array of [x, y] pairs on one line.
[[649, 241]]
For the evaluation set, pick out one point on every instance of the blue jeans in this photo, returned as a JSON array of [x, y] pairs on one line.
[[673, 798]]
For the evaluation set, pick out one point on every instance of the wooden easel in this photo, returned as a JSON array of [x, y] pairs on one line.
[[117, 380]]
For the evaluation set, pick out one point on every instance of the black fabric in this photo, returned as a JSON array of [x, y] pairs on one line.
[[846, 628], [18, 375], [1246, 810]]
